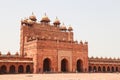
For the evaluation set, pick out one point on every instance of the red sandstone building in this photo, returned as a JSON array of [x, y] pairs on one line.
[[46, 47]]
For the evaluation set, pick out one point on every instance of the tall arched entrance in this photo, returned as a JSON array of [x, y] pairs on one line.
[[46, 65], [28, 69], [104, 69], [20, 69], [112, 69], [116, 69], [108, 69], [64, 65], [99, 69], [79, 66], [90, 69], [3, 69], [12, 69], [94, 69]]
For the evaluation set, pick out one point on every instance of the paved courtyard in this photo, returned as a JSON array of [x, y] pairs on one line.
[[62, 76]]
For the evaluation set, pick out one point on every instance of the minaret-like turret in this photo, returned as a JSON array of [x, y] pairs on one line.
[[45, 19], [32, 17], [56, 22], [63, 28]]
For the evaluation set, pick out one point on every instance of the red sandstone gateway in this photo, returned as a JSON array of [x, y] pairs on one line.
[[51, 48]]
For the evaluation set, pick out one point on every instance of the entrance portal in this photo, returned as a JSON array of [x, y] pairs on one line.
[[3, 69], [12, 69], [46, 65], [64, 65], [28, 69], [20, 69], [79, 66]]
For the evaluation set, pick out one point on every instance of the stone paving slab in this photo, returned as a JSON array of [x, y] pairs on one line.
[[62, 76]]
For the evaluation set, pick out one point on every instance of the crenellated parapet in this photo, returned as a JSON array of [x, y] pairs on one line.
[[14, 58], [8, 54], [101, 59]]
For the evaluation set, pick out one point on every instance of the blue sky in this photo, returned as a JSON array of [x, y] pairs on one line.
[[96, 21]]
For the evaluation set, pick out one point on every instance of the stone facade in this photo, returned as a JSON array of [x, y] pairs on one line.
[[46, 47], [52, 47], [15, 64], [104, 64]]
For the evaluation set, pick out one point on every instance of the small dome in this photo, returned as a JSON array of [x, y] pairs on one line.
[[56, 22], [32, 17], [81, 42], [70, 28], [24, 21], [110, 58], [63, 27], [45, 18], [30, 22], [8, 53], [92, 57], [16, 53], [86, 42]]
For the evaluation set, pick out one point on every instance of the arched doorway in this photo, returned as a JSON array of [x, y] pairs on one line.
[[46, 65], [108, 69], [116, 69], [3, 69], [90, 69], [104, 69], [12, 69], [28, 69], [112, 69], [79, 66], [20, 69], [64, 65], [94, 69], [99, 69]]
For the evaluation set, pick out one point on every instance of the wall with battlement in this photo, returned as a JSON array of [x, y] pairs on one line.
[[97, 64]]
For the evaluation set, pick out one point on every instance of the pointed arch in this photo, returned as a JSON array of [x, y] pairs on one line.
[[12, 69], [3, 69], [28, 69], [46, 65], [64, 65], [104, 69], [108, 69], [79, 65], [99, 69], [20, 69], [90, 69], [112, 69], [94, 69], [116, 69]]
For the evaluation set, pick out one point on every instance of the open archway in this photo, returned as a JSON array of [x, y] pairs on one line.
[[20, 69], [46, 65], [112, 69], [99, 69], [12, 69], [64, 65], [28, 69], [94, 69], [90, 69], [79, 66], [104, 69], [116, 69], [108, 69], [3, 69]]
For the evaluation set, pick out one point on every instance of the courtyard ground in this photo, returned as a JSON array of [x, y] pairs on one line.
[[62, 76]]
